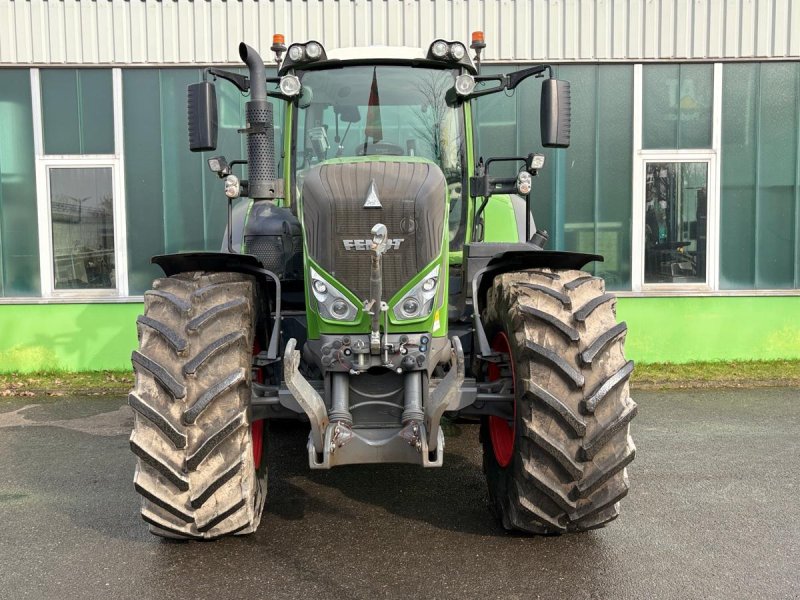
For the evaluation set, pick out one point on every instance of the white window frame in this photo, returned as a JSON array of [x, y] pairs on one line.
[[45, 162], [641, 158]]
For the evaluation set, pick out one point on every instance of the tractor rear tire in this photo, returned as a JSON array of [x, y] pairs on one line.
[[561, 465], [196, 471]]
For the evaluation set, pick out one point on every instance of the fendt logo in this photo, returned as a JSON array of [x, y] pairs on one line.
[[391, 244]]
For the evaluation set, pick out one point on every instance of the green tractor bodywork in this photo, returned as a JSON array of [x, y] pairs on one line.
[[374, 254]]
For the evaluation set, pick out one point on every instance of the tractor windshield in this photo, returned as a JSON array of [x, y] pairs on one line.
[[389, 110]]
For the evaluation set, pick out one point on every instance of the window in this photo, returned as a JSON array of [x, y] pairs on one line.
[[676, 230], [79, 172], [675, 224], [19, 244], [82, 216]]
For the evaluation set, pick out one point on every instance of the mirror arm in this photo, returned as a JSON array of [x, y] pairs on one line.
[[517, 77], [240, 81]]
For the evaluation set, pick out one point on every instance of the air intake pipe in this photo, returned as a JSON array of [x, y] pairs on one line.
[[260, 133]]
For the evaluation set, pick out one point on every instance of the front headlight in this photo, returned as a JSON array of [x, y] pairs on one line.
[[331, 303], [418, 302]]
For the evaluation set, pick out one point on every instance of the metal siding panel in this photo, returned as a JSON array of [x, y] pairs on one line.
[[22, 26], [780, 39], [57, 43], [72, 31], [413, 37], [234, 30], [555, 41], [219, 31], [105, 33], [155, 34], [250, 33], [205, 31], [666, 28], [458, 21], [700, 29], [185, 25], [635, 29], [475, 22], [122, 32], [427, 20], [394, 21], [747, 33], [603, 28], [764, 24], [443, 23], [619, 29], [89, 33], [571, 28], [330, 20], [716, 30], [138, 25], [794, 31], [732, 30], [651, 31], [521, 32], [281, 23], [40, 27], [683, 31], [170, 27], [8, 52], [584, 32], [297, 15]]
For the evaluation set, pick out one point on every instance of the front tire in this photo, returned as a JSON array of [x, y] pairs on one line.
[[560, 466], [196, 470]]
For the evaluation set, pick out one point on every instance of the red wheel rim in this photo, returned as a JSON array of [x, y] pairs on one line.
[[257, 427], [500, 431], [257, 433]]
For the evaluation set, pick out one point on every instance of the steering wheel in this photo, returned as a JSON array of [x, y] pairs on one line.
[[380, 148]]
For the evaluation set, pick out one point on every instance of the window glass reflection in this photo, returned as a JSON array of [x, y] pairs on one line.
[[675, 222], [81, 208]]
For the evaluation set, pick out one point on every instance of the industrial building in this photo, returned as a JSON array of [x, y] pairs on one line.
[[684, 168]]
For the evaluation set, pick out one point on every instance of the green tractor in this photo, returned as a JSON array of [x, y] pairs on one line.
[[378, 280]]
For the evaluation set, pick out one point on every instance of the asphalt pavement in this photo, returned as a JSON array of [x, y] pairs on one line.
[[713, 513]]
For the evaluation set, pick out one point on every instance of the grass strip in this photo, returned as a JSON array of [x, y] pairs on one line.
[[652, 376]]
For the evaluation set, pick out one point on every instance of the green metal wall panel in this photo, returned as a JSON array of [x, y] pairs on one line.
[[19, 241], [712, 328], [77, 111], [102, 336], [173, 202], [68, 337], [760, 191], [677, 106], [582, 197]]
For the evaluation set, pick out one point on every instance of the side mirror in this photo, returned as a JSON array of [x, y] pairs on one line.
[[556, 110], [202, 104]]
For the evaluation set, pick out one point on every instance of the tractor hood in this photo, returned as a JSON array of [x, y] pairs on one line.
[[343, 199]]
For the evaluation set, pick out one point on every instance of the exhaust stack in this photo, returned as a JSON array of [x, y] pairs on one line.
[[260, 132]]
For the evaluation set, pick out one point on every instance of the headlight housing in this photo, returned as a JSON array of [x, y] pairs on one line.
[[524, 182], [453, 52], [299, 54], [331, 303], [417, 303]]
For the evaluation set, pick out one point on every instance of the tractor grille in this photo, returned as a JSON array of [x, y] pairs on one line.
[[412, 198]]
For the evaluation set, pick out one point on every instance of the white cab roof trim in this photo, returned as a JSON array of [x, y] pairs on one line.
[[373, 52]]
